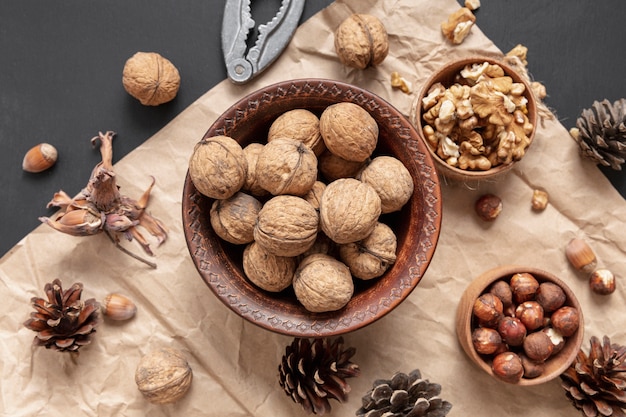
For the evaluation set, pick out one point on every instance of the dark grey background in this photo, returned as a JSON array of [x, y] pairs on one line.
[[61, 65]]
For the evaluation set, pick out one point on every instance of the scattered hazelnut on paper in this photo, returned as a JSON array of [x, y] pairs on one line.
[[488, 207], [580, 255], [458, 25], [163, 376], [118, 307], [150, 78], [361, 41], [602, 281], [39, 158], [539, 200]]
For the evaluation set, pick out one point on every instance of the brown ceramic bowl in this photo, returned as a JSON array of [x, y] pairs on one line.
[[417, 225], [465, 323], [447, 76]]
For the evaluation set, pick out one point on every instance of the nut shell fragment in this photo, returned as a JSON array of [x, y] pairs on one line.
[[39, 158], [163, 376]]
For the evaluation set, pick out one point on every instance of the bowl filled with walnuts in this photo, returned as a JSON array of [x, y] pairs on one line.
[[311, 207], [477, 116], [522, 325]]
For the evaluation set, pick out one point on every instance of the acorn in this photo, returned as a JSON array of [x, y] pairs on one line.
[[39, 158], [580, 255], [118, 307]]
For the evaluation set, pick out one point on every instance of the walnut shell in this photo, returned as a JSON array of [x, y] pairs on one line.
[[372, 256], [150, 78], [266, 271], [332, 167], [251, 184], [286, 166], [349, 210], [349, 131], [315, 194], [391, 180], [233, 219], [286, 225], [361, 41], [322, 283], [218, 167], [163, 376], [301, 125]]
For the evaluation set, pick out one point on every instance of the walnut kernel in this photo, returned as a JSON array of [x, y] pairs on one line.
[[361, 41], [458, 25], [163, 376], [150, 78], [322, 283]]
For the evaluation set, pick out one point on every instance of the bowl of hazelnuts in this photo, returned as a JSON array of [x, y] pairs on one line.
[[477, 116], [311, 207], [522, 325]]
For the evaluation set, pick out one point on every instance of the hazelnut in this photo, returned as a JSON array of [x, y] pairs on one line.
[[508, 367], [502, 290], [557, 339], [485, 340], [488, 207], [565, 320], [532, 369], [602, 281], [580, 255], [524, 287], [538, 346], [118, 307], [550, 296], [39, 158], [488, 309], [512, 331], [530, 314], [361, 41]]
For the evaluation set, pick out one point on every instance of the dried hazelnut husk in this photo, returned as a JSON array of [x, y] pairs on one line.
[[508, 367], [550, 296], [530, 314], [251, 184], [487, 309], [322, 283], [301, 125], [512, 330], [163, 376], [502, 290], [556, 338], [602, 281], [488, 207], [485, 340], [267, 271], [349, 131], [218, 167], [565, 320], [39, 158], [118, 307], [233, 219], [286, 225], [532, 369], [538, 346], [286, 166], [391, 180], [361, 41], [150, 78], [524, 287], [371, 257], [333, 167], [580, 255], [340, 218]]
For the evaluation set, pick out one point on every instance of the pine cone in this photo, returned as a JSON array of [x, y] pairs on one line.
[[601, 133], [63, 322], [312, 372], [404, 396], [596, 384]]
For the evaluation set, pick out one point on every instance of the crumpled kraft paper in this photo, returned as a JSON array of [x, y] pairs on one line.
[[235, 362]]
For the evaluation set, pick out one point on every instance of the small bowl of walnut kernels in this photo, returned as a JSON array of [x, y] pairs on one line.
[[521, 325], [478, 117], [311, 207]]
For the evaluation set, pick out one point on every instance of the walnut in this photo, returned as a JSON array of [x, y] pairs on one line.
[[315, 194], [266, 271], [349, 210], [251, 184], [372, 256], [286, 225], [301, 125], [333, 167], [218, 167], [150, 78], [163, 376], [458, 25], [391, 180], [322, 283], [349, 131], [233, 219], [361, 41], [286, 166]]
